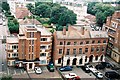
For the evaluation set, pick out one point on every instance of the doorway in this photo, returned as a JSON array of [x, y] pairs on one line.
[[74, 61], [91, 58], [68, 62]]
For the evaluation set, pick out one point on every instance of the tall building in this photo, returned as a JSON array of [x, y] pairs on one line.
[[78, 46], [31, 47], [112, 26]]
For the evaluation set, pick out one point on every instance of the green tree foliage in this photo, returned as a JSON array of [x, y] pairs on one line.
[[43, 10], [5, 6], [101, 11], [30, 6], [13, 26], [57, 14]]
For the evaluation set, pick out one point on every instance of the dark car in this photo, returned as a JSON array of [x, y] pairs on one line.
[[107, 64], [66, 68], [50, 67], [112, 75], [84, 68], [100, 66]]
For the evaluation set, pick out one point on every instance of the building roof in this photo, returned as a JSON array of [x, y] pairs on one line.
[[43, 30], [75, 33], [22, 12], [29, 21], [12, 39]]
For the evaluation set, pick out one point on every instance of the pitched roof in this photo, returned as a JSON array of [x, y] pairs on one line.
[[29, 21], [22, 12]]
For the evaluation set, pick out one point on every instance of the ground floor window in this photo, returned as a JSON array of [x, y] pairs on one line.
[[13, 62], [30, 65], [42, 61], [59, 60]]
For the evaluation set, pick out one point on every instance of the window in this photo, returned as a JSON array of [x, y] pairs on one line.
[[87, 42], [31, 34], [75, 43], [68, 43], [80, 50], [15, 47], [99, 41], [86, 49], [92, 49], [59, 60], [32, 56], [104, 41], [32, 48], [8, 55], [74, 51], [81, 43], [13, 62], [97, 49], [29, 56], [103, 49], [68, 51], [42, 61], [60, 51], [42, 47], [32, 42], [43, 39], [61, 43], [93, 41], [43, 54]]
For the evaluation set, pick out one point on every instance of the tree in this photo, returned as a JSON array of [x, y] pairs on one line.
[[13, 27], [30, 7], [5, 6], [43, 10], [101, 11], [100, 18]]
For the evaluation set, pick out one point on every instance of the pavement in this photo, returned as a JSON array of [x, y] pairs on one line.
[[80, 73]]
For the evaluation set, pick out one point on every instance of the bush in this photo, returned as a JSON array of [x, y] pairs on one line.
[[47, 25]]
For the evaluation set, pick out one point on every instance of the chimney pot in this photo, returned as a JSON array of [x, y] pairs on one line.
[[82, 30], [64, 30]]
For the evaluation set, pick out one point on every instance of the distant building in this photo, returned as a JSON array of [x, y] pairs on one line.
[[18, 3], [32, 46], [112, 26], [21, 13], [78, 46]]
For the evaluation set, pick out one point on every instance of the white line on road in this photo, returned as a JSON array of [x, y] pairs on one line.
[[8, 71], [14, 71]]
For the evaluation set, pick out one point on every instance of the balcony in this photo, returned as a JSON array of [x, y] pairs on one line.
[[111, 34]]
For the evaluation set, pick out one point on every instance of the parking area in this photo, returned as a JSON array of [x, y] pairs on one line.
[[80, 73], [45, 75]]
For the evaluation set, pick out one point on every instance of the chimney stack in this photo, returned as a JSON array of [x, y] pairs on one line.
[[64, 30], [82, 30]]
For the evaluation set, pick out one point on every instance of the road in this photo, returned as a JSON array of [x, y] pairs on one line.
[[3, 34]]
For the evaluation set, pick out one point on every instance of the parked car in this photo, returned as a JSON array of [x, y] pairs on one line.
[[84, 68], [38, 70], [66, 68], [107, 64], [50, 67], [98, 75], [72, 76], [90, 67], [112, 75], [99, 66]]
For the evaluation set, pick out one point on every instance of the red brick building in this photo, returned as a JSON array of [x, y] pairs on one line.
[[31, 47], [78, 46], [112, 26]]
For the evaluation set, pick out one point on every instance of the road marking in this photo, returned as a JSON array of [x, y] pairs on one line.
[[21, 71], [8, 71], [14, 71]]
